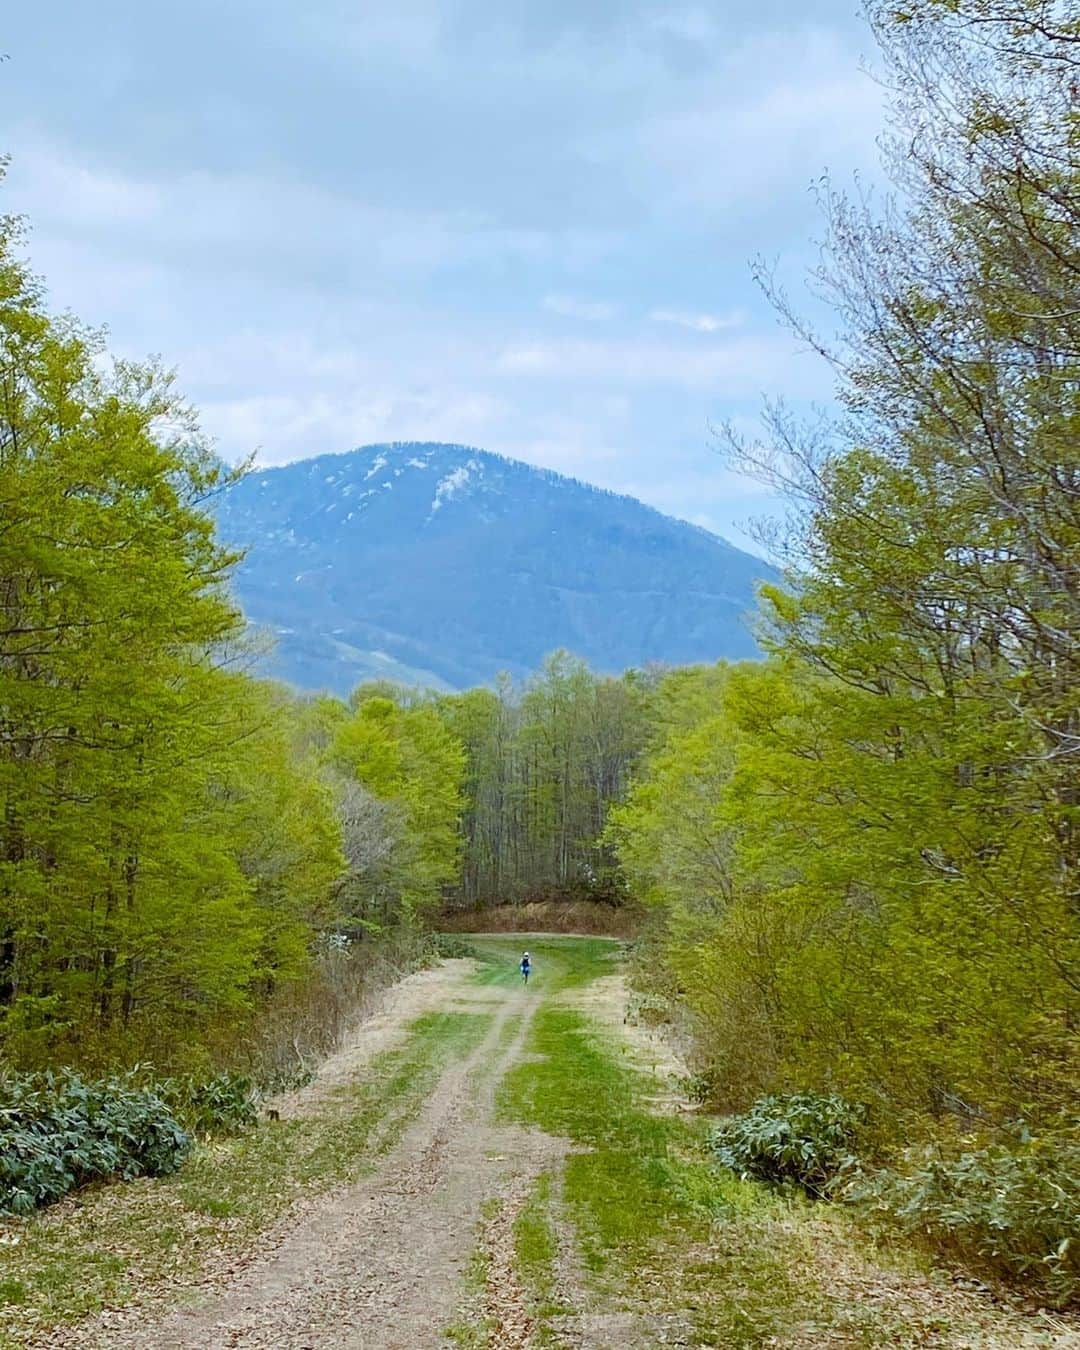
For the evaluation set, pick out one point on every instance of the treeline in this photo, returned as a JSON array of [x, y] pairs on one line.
[[845, 899], [864, 855], [543, 764], [185, 852]]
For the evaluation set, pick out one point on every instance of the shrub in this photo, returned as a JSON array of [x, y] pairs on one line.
[[306, 1020], [224, 1104], [648, 1010], [802, 1138], [1012, 1212], [700, 1086], [58, 1132]]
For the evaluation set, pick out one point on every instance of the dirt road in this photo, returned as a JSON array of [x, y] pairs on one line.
[[381, 1264], [465, 1231]]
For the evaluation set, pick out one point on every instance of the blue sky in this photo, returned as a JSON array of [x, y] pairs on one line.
[[524, 225]]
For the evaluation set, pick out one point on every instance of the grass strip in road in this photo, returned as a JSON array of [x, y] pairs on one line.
[[109, 1245], [559, 963], [535, 1242], [645, 1200], [472, 1329], [535, 1256], [639, 1172]]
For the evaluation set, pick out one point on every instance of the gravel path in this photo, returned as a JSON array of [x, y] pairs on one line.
[[380, 1264]]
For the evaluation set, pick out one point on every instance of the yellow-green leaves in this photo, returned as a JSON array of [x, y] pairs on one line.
[[163, 853]]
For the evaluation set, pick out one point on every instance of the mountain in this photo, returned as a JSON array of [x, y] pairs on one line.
[[442, 565]]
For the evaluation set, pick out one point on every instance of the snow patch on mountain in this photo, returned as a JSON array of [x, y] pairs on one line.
[[377, 464], [451, 485]]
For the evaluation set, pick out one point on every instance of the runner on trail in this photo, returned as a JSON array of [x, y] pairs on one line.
[[526, 966]]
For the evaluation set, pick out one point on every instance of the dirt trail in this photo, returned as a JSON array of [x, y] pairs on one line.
[[380, 1264], [383, 1264]]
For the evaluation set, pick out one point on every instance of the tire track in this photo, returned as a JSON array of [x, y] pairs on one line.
[[379, 1265]]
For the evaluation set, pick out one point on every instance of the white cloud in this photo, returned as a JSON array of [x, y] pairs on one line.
[[571, 308], [747, 142], [285, 427], [742, 366], [700, 323], [365, 258], [281, 228]]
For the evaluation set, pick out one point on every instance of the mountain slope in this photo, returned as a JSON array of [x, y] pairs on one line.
[[443, 565]]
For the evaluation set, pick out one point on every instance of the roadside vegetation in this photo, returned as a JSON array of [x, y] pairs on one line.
[[668, 1237], [861, 855], [110, 1245]]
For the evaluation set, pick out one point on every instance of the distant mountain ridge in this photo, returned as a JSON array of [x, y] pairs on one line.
[[442, 565]]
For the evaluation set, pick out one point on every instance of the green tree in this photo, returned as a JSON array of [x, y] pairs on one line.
[[408, 757], [162, 857], [910, 810], [543, 764]]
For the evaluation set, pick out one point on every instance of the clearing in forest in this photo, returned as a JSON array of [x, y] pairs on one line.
[[486, 1165]]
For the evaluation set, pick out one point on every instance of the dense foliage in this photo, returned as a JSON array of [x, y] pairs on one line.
[[176, 838], [803, 1138], [864, 852], [162, 853], [225, 1103], [862, 855], [58, 1131], [1011, 1211], [543, 765]]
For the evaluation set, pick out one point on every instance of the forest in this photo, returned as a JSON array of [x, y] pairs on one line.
[[853, 866]]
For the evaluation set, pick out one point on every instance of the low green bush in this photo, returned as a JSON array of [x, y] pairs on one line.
[[699, 1087], [1012, 1212], [58, 1132], [803, 1138], [225, 1104]]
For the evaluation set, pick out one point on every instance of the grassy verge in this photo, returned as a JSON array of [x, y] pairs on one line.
[[683, 1246], [110, 1245]]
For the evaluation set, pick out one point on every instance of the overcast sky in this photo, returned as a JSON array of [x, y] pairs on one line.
[[521, 224]]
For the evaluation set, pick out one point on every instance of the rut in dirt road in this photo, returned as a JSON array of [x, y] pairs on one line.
[[380, 1265]]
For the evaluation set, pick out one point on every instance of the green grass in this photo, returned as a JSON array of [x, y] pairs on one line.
[[661, 1232], [535, 1243], [99, 1247], [559, 963], [640, 1172], [660, 1229], [535, 1255], [640, 1189]]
